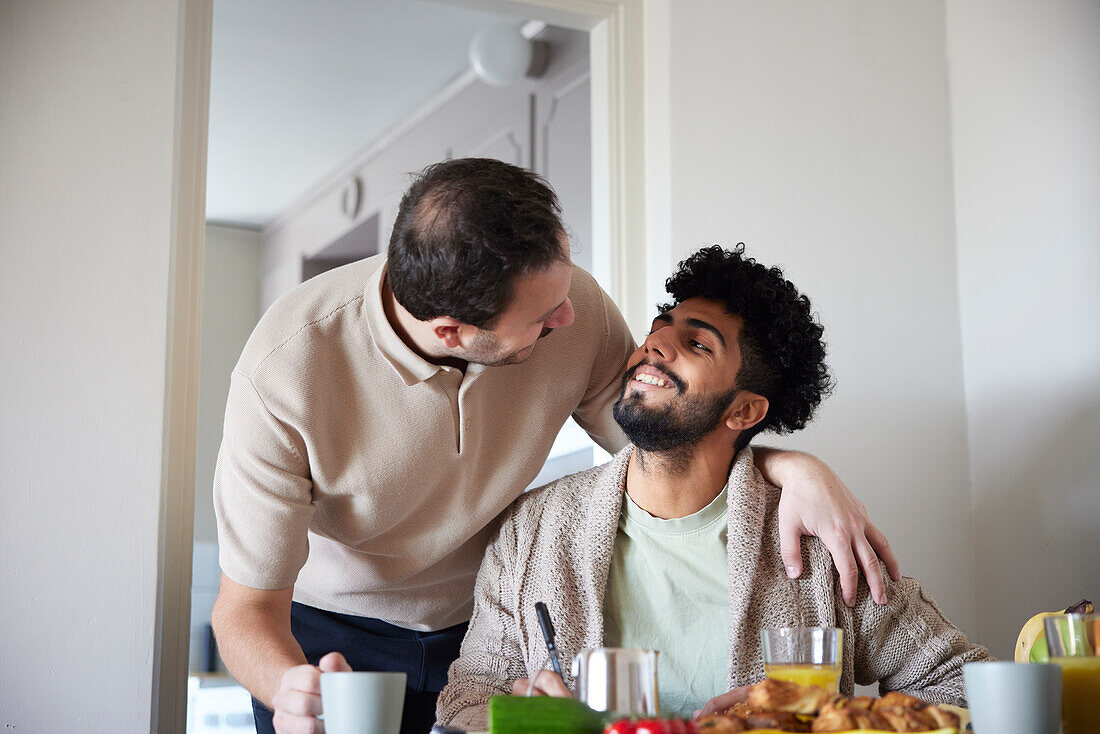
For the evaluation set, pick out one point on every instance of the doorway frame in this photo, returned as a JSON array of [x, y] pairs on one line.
[[628, 49]]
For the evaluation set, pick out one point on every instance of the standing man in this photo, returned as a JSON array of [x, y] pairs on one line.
[[382, 415]]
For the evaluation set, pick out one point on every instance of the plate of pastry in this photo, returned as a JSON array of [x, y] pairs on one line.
[[781, 706]]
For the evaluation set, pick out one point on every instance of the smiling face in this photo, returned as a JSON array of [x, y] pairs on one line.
[[541, 304], [681, 383]]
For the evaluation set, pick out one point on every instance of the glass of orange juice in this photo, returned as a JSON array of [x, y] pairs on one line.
[[809, 656], [1074, 644]]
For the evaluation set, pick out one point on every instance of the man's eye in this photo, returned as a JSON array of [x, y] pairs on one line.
[[698, 345]]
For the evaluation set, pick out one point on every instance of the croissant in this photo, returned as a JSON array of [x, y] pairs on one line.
[[864, 703], [896, 699], [847, 719], [942, 717], [923, 713], [781, 720], [781, 695], [719, 724]]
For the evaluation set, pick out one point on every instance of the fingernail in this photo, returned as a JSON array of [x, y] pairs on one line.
[[792, 572]]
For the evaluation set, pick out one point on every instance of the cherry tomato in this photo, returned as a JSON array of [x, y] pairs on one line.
[[622, 726], [652, 726], [680, 726]]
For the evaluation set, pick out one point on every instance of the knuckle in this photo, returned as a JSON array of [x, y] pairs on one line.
[[289, 675], [284, 724], [288, 724], [284, 704]]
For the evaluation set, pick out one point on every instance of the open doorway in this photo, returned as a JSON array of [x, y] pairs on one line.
[[319, 113], [626, 212]]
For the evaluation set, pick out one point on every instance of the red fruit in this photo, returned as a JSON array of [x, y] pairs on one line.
[[653, 726], [677, 726], [622, 726]]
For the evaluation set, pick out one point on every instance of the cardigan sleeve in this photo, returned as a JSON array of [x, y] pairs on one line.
[[491, 657], [908, 645]]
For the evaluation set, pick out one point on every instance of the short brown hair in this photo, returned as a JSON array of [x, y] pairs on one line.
[[466, 228]]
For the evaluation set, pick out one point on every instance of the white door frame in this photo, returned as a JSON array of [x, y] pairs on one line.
[[177, 508], [629, 66]]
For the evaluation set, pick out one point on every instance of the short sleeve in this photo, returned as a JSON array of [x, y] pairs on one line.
[[262, 493]]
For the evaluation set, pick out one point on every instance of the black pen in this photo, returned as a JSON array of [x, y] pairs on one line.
[[548, 632]]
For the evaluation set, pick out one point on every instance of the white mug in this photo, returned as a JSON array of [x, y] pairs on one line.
[[1014, 698], [362, 702]]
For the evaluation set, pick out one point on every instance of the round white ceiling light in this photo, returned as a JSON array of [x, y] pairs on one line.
[[500, 55]]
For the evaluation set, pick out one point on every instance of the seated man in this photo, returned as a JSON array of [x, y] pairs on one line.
[[674, 544]]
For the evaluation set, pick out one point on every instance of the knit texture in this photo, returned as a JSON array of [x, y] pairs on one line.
[[555, 545], [364, 475]]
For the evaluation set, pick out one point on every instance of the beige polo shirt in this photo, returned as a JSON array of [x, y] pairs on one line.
[[366, 476]]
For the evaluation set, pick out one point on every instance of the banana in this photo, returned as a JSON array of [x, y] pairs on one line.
[[1031, 645]]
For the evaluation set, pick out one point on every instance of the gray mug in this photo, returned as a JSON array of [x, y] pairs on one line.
[[1014, 698]]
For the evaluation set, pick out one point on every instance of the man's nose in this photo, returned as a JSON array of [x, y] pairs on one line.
[[563, 316], [657, 343]]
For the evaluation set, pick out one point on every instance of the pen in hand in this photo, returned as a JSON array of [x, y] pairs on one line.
[[547, 626]]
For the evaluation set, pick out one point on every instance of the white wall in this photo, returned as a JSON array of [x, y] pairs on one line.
[[86, 221], [819, 134], [230, 310], [1025, 101]]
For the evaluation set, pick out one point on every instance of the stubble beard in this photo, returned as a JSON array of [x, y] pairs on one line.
[[485, 350], [669, 434]]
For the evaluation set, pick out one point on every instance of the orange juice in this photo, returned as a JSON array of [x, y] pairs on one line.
[[826, 676], [1080, 694]]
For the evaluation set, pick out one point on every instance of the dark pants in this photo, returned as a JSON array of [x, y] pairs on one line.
[[369, 644]]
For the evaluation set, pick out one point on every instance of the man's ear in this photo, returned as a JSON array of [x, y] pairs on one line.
[[747, 410], [449, 331]]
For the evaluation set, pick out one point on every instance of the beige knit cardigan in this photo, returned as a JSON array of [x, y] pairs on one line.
[[555, 544]]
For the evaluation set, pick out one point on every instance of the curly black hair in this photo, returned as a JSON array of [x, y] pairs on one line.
[[465, 230], [782, 352]]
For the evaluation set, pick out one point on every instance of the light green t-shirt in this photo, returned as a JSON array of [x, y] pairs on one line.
[[667, 590]]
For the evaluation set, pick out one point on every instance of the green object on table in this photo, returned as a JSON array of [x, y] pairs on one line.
[[1039, 653], [542, 715]]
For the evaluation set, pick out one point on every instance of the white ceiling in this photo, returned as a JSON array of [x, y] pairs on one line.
[[298, 86]]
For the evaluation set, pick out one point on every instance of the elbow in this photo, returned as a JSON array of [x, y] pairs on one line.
[[219, 615]]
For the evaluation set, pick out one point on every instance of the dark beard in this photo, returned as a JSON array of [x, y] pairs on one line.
[[673, 428]]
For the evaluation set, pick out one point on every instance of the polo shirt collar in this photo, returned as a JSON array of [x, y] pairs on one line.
[[410, 366]]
